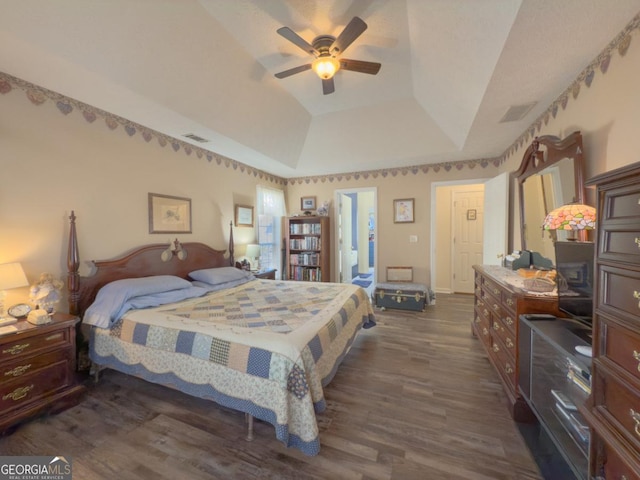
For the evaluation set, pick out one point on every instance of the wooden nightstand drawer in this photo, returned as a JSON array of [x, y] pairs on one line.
[[620, 291], [28, 345], [621, 205], [26, 365], [37, 370], [23, 390]]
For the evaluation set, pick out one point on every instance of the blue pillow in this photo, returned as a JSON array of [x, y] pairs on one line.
[[217, 276], [111, 298]]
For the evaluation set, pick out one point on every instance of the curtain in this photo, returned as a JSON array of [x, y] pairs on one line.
[[270, 212]]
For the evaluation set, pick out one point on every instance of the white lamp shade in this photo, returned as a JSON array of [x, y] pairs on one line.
[[253, 251], [12, 276]]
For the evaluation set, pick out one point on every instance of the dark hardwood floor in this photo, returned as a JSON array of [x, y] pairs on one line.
[[415, 398]]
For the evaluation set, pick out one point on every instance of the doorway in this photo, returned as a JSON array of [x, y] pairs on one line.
[[494, 213], [355, 236]]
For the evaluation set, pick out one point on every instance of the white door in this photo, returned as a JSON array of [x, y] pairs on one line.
[[344, 238], [496, 219], [467, 236]]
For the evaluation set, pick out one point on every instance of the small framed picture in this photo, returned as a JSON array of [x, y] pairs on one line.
[[471, 214], [244, 216], [169, 214], [403, 210], [307, 203]]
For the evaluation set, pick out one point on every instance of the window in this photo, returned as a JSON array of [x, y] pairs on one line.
[[270, 210]]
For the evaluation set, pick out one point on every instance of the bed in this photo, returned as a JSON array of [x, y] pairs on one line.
[[263, 347]]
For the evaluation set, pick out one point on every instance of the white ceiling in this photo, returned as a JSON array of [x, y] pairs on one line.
[[450, 71]]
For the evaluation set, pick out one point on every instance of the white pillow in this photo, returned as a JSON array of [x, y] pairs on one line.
[[216, 276]]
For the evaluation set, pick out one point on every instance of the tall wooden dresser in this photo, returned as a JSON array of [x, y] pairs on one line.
[[613, 409], [498, 304]]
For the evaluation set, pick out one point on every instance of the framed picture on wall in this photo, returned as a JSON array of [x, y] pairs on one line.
[[244, 216], [403, 210], [169, 214], [308, 203]]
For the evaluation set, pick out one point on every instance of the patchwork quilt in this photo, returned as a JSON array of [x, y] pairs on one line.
[[266, 348]]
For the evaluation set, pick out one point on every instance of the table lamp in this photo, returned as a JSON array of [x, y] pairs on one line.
[[573, 217], [253, 252], [11, 276]]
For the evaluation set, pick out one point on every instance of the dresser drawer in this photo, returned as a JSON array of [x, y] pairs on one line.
[[623, 404], [621, 206], [620, 291], [620, 245], [29, 345], [506, 364], [505, 334], [30, 387], [615, 469], [492, 288], [621, 346]]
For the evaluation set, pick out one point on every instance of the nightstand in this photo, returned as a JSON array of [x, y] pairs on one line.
[[269, 274], [38, 370]]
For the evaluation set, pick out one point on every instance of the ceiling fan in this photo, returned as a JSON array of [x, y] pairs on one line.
[[327, 50]]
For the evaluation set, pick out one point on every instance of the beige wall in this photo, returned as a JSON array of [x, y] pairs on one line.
[[393, 247], [54, 163]]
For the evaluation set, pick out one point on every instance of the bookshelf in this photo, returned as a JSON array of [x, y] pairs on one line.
[[308, 248]]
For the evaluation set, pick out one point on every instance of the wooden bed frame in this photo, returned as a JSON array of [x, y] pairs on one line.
[[143, 261]]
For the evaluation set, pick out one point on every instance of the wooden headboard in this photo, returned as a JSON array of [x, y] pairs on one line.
[[143, 261]]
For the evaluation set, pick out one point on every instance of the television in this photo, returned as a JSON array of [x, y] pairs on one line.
[[574, 279]]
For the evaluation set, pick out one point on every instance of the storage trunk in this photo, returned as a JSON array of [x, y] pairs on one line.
[[403, 296]]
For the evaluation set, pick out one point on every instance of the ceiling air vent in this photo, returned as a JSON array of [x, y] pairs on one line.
[[195, 138], [517, 112]]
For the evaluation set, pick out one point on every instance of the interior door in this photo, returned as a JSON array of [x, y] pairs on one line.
[[496, 219], [468, 216], [344, 239]]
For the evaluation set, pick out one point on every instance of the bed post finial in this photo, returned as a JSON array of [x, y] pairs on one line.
[[73, 263], [231, 251]]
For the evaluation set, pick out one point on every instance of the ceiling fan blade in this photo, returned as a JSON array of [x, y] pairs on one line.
[[352, 31], [293, 71], [359, 66], [328, 86], [297, 40]]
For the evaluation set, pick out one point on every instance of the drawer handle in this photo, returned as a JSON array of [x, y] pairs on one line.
[[637, 240], [508, 320], [636, 356], [495, 348], [16, 349], [496, 307], [510, 302], [16, 372], [509, 343], [485, 331], [486, 312], [18, 393], [636, 295], [496, 291], [635, 416], [508, 368], [496, 327], [55, 336]]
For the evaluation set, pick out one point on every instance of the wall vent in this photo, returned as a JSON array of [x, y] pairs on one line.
[[517, 112], [195, 137]]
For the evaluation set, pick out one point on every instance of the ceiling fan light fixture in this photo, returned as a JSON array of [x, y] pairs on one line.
[[325, 67]]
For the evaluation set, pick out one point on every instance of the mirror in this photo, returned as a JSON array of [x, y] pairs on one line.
[[550, 175]]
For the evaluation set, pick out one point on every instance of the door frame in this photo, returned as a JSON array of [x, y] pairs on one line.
[[336, 239], [433, 226]]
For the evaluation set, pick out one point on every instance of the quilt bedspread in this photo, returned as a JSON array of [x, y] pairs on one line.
[[266, 348]]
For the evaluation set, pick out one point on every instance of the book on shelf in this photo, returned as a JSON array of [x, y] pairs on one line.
[[579, 370]]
